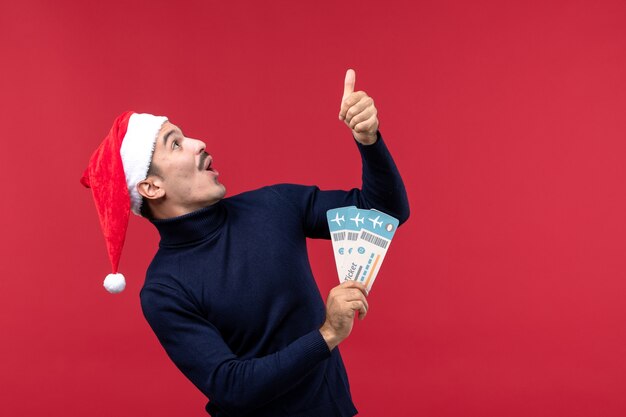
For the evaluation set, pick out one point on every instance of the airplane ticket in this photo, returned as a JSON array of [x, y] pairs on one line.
[[361, 239]]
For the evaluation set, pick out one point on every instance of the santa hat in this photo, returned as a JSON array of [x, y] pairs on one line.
[[121, 161]]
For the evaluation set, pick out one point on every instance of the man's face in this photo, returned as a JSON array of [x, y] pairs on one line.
[[185, 170]]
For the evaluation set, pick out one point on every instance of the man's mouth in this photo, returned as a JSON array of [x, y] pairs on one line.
[[205, 162], [208, 163]]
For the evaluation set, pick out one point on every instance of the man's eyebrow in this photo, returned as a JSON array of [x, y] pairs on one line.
[[167, 135]]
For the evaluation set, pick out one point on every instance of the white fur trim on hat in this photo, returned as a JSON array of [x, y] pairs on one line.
[[137, 149]]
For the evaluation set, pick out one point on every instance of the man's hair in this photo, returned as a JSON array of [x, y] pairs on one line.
[[145, 210]]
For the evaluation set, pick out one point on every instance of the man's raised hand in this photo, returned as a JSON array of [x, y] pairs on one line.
[[358, 111]]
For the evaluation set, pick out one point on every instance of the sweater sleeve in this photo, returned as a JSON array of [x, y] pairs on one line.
[[382, 188], [234, 385]]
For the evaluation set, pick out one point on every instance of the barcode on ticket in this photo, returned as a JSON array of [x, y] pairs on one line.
[[373, 239]]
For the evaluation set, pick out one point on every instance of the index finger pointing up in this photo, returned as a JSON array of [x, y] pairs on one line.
[[348, 85]]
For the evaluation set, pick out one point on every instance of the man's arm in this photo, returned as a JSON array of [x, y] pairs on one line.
[[382, 186], [233, 384]]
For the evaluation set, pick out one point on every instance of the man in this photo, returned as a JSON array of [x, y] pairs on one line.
[[230, 293]]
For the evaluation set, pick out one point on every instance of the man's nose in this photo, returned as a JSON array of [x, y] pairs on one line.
[[199, 145]]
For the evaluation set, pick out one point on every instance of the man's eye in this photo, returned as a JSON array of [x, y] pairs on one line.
[[175, 144]]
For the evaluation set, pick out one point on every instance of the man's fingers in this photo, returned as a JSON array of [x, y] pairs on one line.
[[365, 304], [353, 284], [360, 307], [358, 116], [358, 107], [348, 84], [353, 294], [350, 101], [368, 125], [363, 313]]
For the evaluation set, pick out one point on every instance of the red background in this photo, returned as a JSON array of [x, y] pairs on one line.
[[502, 296]]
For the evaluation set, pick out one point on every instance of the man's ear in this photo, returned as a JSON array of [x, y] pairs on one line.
[[151, 188]]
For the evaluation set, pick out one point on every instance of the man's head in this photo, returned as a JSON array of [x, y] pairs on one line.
[[181, 178], [146, 165]]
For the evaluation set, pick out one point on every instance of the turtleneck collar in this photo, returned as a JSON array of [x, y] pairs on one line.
[[191, 227]]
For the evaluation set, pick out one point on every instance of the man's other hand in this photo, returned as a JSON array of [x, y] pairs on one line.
[[342, 305], [358, 111]]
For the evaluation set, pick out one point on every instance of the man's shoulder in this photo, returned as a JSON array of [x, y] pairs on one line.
[[163, 268], [164, 281]]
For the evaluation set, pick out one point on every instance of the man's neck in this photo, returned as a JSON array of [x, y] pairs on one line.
[[169, 211]]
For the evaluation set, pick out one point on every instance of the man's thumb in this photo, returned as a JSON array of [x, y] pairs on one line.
[[348, 85]]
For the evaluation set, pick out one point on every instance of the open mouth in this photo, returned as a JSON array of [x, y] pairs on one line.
[[207, 162]]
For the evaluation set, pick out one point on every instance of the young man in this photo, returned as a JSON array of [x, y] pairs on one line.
[[230, 293]]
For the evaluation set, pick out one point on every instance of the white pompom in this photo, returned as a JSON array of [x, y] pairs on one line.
[[114, 283]]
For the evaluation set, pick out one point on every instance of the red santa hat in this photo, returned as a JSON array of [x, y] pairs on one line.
[[121, 161]]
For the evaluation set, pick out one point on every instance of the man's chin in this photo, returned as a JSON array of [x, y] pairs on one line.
[[222, 193]]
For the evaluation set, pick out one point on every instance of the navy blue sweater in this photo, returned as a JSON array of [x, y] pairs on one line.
[[231, 297]]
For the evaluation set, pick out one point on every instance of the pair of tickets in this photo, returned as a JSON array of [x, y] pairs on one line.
[[360, 240]]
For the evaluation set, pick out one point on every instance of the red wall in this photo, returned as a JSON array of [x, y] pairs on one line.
[[502, 296]]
